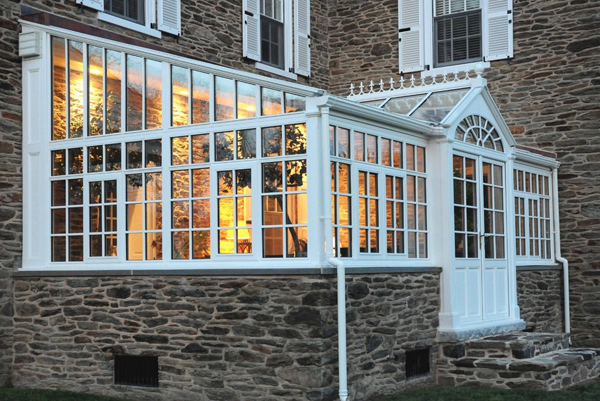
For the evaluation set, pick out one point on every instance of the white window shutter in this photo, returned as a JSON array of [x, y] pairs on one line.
[[302, 37], [410, 35], [498, 38], [95, 4], [169, 16], [251, 29]]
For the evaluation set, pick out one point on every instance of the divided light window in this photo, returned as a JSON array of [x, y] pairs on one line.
[[457, 32], [532, 214], [271, 32], [130, 182], [132, 10], [379, 202]]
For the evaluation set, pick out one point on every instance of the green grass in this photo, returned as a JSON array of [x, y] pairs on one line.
[[23, 394], [587, 392]]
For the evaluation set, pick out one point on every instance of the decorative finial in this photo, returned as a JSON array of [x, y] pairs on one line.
[[479, 69]]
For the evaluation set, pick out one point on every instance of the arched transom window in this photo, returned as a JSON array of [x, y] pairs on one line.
[[479, 131]]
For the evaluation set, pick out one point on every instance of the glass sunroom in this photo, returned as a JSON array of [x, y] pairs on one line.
[[136, 159]]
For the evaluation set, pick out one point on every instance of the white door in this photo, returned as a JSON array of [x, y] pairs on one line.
[[480, 276]]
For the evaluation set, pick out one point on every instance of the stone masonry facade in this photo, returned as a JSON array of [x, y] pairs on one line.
[[540, 298], [219, 338], [549, 94]]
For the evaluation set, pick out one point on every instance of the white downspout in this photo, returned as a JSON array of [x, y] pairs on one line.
[[341, 272], [557, 253]]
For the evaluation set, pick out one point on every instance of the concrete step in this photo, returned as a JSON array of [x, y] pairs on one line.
[[553, 370]]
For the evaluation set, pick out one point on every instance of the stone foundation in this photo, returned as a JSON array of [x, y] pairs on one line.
[[541, 300], [222, 338]]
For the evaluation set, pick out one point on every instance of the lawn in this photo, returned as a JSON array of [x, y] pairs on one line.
[[587, 392]]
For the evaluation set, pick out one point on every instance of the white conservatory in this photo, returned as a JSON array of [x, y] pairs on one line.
[[139, 160]]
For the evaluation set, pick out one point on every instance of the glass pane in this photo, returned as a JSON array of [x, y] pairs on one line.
[[359, 150], [134, 155], [134, 92], [181, 245], [246, 100], [180, 181], [243, 182], [153, 94], [296, 175], [59, 93], [76, 248], [180, 150], [362, 211], [59, 249], [75, 220], [271, 102], [438, 105], [271, 141], [200, 183], [402, 105], [154, 246], [332, 140], [76, 90], [420, 159], [343, 138], [272, 177], [295, 139], [95, 156], [246, 144], [224, 146], [113, 91], [397, 154], [200, 97], [154, 216], [345, 241], [95, 245], [371, 149], [297, 209], [110, 215], [294, 103], [343, 210], [362, 183], [201, 213], [297, 242], [135, 246], [224, 95], [225, 182], [96, 90], [201, 244], [386, 152], [96, 192], [200, 148], [226, 241], [58, 193], [135, 217], [153, 153], [343, 178], [226, 212], [410, 157], [76, 192], [76, 161], [153, 186], [113, 157], [58, 162], [273, 242], [272, 210], [180, 89], [59, 218]]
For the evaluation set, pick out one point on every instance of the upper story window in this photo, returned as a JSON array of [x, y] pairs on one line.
[[453, 34], [148, 16], [132, 10], [457, 32], [277, 35]]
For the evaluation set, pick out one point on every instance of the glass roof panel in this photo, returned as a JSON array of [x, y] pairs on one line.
[[403, 105], [374, 103], [438, 105]]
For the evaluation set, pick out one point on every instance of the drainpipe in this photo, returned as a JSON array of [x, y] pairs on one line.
[[558, 256], [338, 264]]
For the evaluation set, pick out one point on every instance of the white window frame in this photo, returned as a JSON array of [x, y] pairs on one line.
[[421, 28]]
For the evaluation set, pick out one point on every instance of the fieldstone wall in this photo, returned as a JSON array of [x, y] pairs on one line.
[[540, 298], [10, 179], [250, 338]]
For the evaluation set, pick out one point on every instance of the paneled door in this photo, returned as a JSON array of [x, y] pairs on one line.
[[480, 276]]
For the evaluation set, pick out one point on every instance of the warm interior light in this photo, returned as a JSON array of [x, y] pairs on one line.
[[95, 71]]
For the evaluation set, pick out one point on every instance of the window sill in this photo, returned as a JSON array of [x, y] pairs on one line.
[[451, 69], [111, 19], [276, 71]]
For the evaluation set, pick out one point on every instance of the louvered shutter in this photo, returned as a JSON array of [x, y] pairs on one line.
[[251, 29], [410, 35], [302, 37], [169, 16], [498, 42], [95, 4]]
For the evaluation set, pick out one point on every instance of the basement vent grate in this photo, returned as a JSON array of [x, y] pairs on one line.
[[417, 362], [136, 370]]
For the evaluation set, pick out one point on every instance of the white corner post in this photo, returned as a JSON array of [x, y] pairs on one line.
[[557, 254], [327, 219]]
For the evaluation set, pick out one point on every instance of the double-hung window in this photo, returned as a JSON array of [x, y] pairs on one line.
[[452, 35], [277, 35], [147, 16]]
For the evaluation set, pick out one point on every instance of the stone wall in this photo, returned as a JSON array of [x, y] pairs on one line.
[[10, 178], [250, 338], [540, 298]]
